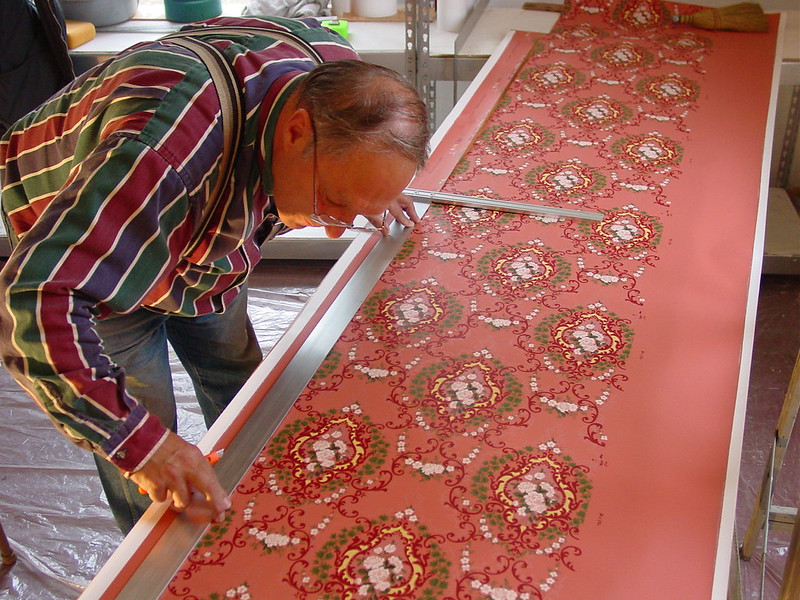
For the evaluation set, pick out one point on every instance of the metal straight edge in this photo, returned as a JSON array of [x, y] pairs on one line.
[[502, 205], [157, 569]]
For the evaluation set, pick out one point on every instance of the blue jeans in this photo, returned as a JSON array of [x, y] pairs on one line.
[[219, 352]]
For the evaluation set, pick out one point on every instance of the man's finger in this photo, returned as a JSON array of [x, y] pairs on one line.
[[403, 218], [157, 493], [201, 510], [404, 210], [181, 495], [411, 210], [208, 488]]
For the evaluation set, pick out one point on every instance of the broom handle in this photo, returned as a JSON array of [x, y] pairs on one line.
[[543, 6], [501, 205]]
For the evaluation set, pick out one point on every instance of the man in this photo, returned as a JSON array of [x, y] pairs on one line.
[[105, 185]]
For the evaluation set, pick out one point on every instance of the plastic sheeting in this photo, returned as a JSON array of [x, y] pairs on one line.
[[287, 8], [51, 504]]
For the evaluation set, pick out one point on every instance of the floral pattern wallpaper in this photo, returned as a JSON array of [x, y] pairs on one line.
[[466, 437]]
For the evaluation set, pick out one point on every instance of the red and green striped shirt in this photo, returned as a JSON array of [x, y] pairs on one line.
[[104, 184]]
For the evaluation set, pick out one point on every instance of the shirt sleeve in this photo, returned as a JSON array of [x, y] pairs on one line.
[[113, 231]]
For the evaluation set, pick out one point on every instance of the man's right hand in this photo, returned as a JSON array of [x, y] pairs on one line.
[[179, 472]]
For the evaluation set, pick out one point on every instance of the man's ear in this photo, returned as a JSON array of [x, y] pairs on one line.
[[298, 131]]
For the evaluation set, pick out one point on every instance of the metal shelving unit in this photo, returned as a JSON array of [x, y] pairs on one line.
[[424, 71]]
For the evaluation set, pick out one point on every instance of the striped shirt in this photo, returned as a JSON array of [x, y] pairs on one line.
[[104, 184]]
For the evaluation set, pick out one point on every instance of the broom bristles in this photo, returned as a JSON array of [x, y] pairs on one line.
[[745, 16]]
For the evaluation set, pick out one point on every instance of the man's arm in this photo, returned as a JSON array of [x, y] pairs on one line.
[[101, 245]]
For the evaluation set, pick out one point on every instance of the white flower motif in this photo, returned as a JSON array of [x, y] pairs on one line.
[[567, 180], [431, 469], [383, 568], [564, 407], [327, 451], [518, 136], [413, 310], [274, 540], [554, 76], [588, 339], [239, 593], [466, 390], [598, 112], [472, 214], [624, 230], [373, 562], [524, 269], [503, 594], [535, 495], [670, 88]]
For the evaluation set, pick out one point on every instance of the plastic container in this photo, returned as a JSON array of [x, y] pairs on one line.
[[374, 8], [340, 26], [99, 12], [188, 11]]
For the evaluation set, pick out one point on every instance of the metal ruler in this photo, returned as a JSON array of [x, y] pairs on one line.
[[501, 205]]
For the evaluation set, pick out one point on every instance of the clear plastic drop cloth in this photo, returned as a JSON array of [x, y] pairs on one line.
[[52, 507]]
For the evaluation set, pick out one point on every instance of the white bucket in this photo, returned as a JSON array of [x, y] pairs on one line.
[[340, 7], [451, 14], [374, 8]]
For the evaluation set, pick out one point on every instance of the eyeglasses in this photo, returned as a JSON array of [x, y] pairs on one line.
[[327, 220]]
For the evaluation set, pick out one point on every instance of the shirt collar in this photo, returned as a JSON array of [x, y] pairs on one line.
[[293, 79]]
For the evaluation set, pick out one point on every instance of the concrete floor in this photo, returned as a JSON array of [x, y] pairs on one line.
[[57, 520]]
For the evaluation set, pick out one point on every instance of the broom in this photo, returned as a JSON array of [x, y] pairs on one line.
[[745, 16]]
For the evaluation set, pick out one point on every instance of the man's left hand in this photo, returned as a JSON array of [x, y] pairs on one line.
[[402, 209]]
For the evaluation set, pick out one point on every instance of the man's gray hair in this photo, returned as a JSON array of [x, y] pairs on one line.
[[357, 103]]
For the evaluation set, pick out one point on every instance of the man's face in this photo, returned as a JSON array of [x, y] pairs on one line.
[[357, 182]]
